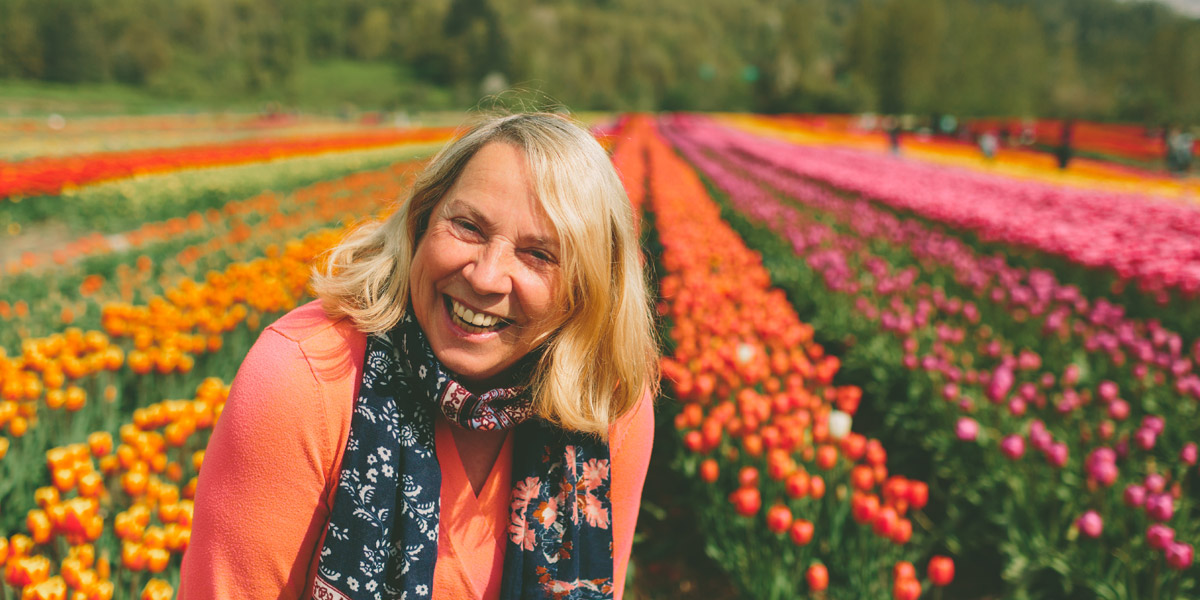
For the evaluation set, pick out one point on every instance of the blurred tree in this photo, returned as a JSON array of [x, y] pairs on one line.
[[73, 48], [372, 36], [21, 53], [1080, 58]]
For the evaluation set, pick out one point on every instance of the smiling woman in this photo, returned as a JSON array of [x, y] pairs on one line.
[[466, 413]]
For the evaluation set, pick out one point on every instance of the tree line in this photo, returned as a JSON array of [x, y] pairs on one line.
[[1102, 59]]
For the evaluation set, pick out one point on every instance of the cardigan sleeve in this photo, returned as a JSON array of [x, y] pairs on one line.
[[631, 439], [259, 510]]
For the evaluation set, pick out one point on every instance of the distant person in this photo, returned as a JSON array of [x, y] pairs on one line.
[[892, 126], [1180, 150], [988, 145], [1063, 153]]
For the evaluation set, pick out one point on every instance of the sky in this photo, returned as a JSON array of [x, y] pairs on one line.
[[1187, 7]]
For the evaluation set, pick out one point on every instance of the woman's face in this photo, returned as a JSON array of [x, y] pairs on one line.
[[485, 274]]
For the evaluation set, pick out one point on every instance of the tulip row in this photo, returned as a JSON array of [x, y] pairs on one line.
[[1150, 241], [936, 343], [52, 175], [59, 136], [117, 207], [1134, 348], [1018, 162], [757, 400], [198, 243]]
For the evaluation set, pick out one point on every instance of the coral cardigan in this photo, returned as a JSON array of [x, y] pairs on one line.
[[271, 469]]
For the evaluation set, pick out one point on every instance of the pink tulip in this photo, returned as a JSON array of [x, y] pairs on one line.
[[1155, 483], [1057, 454], [1135, 495], [1189, 454], [1159, 536], [1118, 409], [967, 429], [1001, 383], [1017, 407], [1179, 555], [1145, 438], [1153, 423], [950, 392], [1105, 473], [1028, 391], [1160, 507], [1107, 391], [1090, 524], [1013, 446], [1070, 375], [1028, 361], [1040, 437]]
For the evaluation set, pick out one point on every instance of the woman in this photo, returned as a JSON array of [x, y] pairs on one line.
[[466, 413]]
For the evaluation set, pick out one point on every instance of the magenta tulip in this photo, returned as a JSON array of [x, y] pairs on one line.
[[1090, 524], [1179, 555], [1159, 536], [967, 429], [1118, 409], [1160, 507], [1135, 496], [1189, 454], [1013, 446], [1155, 483]]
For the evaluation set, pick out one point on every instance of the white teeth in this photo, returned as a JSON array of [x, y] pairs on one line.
[[469, 316]]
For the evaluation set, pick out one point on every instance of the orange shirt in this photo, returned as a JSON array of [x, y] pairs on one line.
[[270, 475]]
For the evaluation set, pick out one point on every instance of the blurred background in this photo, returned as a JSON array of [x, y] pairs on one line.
[[916, 204], [1131, 60]]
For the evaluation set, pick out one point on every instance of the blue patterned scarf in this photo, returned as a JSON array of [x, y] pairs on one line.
[[381, 541]]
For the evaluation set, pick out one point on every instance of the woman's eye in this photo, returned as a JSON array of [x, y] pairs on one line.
[[543, 257], [465, 225]]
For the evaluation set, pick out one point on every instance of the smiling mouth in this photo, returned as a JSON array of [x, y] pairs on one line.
[[471, 321]]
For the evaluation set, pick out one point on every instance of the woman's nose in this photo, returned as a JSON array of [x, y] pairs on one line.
[[489, 273]]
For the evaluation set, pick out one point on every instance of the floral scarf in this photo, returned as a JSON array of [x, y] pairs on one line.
[[381, 541]]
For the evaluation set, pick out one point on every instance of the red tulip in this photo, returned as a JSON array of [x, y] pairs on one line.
[[818, 577], [801, 532], [746, 501], [941, 570], [779, 518]]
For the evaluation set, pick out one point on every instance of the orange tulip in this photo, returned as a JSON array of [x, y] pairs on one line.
[[134, 483], [133, 556], [39, 526], [157, 559], [27, 570], [90, 484], [100, 443], [53, 588], [157, 589]]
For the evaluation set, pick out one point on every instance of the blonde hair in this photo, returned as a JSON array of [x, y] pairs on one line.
[[603, 357]]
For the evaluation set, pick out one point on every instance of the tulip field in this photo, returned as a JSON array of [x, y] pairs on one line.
[[916, 376]]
